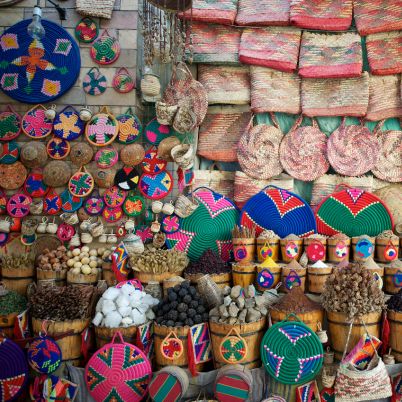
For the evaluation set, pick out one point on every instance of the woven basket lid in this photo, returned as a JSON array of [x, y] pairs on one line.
[[132, 154], [169, 384], [303, 152], [44, 355], [233, 383], [13, 370], [33, 154], [258, 151], [81, 153], [56, 173], [352, 150], [12, 176]]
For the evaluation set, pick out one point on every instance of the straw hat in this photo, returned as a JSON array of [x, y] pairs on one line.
[[33, 154], [56, 173]]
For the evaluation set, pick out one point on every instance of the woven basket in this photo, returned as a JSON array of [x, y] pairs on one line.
[[56, 173], [33, 154], [352, 150], [246, 187], [274, 91], [384, 52], [303, 152], [372, 16], [215, 43], [391, 196], [95, 8], [225, 84], [12, 176], [220, 133], [219, 180], [335, 97], [81, 154], [217, 12], [263, 13], [331, 15], [258, 150], [276, 48], [330, 56]]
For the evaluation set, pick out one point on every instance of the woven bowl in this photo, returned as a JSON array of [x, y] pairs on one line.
[[56, 173], [81, 154], [132, 154], [165, 147], [12, 176], [104, 178], [33, 154]]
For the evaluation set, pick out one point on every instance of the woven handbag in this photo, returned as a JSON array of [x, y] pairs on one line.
[[276, 48], [330, 55], [216, 12], [215, 43], [218, 180], [220, 133], [95, 8], [266, 13], [274, 91], [372, 16], [352, 150], [225, 84], [303, 152], [384, 107], [335, 97], [258, 150], [384, 52], [246, 187], [325, 15]]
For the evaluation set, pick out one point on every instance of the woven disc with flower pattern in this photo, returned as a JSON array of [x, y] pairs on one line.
[[170, 224], [279, 210], [233, 349], [34, 185], [36, 71], [130, 128], [102, 129], [86, 30], [18, 205], [68, 125], [10, 125], [209, 226], [105, 50], [172, 348], [112, 214], [57, 148], [151, 164], [70, 203], [133, 205], [353, 212], [114, 196], [9, 152], [118, 372], [35, 124], [291, 352], [81, 184], [44, 355], [156, 186]]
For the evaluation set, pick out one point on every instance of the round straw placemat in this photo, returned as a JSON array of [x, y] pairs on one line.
[[209, 226], [291, 352], [36, 71], [279, 210], [67, 124], [353, 212]]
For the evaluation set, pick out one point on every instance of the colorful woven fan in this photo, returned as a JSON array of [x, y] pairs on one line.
[[118, 372], [44, 355], [114, 197], [122, 81], [18, 205], [9, 152], [57, 148], [34, 185], [70, 203], [81, 183], [233, 385], [209, 226], [133, 205], [10, 124], [130, 127], [94, 204], [3, 202], [86, 30], [35, 124], [106, 49], [35, 71], [127, 178], [170, 224], [94, 83], [353, 212], [13, 370], [291, 352], [171, 347], [112, 214], [102, 129], [67, 124], [156, 186], [279, 210]]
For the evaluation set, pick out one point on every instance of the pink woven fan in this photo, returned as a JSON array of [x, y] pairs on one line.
[[352, 150], [303, 152]]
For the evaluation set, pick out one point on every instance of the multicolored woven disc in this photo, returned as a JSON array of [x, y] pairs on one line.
[[34, 185], [155, 132], [112, 214], [105, 50], [114, 196], [127, 178], [35, 71], [133, 205], [86, 31], [10, 124], [170, 224], [151, 164], [35, 124], [279, 210], [166, 386], [156, 186], [122, 81], [130, 128], [67, 124], [94, 83], [353, 212], [9, 152], [94, 204], [18, 205], [52, 203], [231, 387], [70, 203], [44, 355], [209, 226], [291, 352], [81, 184], [106, 157], [102, 129], [57, 148]]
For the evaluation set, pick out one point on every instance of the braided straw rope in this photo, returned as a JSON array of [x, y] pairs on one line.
[[258, 150], [303, 152], [264, 13]]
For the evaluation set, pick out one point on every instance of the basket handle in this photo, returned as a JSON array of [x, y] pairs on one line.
[[215, 165], [296, 317], [104, 109], [96, 71], [297, 123], [274, 119], [233, 331], [341, 185], [67, 107], [117, 333], [378, 127]]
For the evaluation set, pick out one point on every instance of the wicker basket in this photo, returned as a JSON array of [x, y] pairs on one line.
[[219, 180], [33, 154], [56, 173], [81, 153], [132, 154], [95, 8]]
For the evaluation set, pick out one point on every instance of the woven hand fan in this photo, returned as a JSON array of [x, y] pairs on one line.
[[122, 81], [52, 203], [353, 212], [106, 157], [35, 124], [133, 205], [44, 355], [94, 83], [58, 148], [67, 124], [18, 205], [81, 183], [10, 124], [34, 185], [156, 186], [209, 226], [279, 210], [102, 129], [130, 127], [69, 202]]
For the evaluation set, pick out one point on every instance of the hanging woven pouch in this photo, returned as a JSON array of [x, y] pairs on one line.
[[303, 152], [258, 150], [266, 13], [217, 12], [10, 124], [94, 82], [122, 81], [106, 49]]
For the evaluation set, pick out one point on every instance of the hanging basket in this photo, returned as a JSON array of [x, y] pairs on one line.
[[95, 8]]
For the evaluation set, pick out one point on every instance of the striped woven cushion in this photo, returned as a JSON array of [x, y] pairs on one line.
[[165, 387], [232, 388]]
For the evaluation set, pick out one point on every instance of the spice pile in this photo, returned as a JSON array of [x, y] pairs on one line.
[[296, 302], [16, 261], [182, 306], [388, 235], [208, 263], [12, 302], [395, 302]]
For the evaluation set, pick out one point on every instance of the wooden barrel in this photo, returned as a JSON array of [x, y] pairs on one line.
[[355, 240], [71, 344], [146, 277], [389, 280], [57, 277], [18, 279], [331, 247], [243, 274], [248, 244], [221, 280], [105, 335], [302, 273], [338, 329], [276, 273], [108, 274], [273, 244], [252, 333], [395, 335], [160, 333], [308, 241], [7, 324], [381, 245], [81, 279], [299, 245], [316, 278], [310, 318]]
